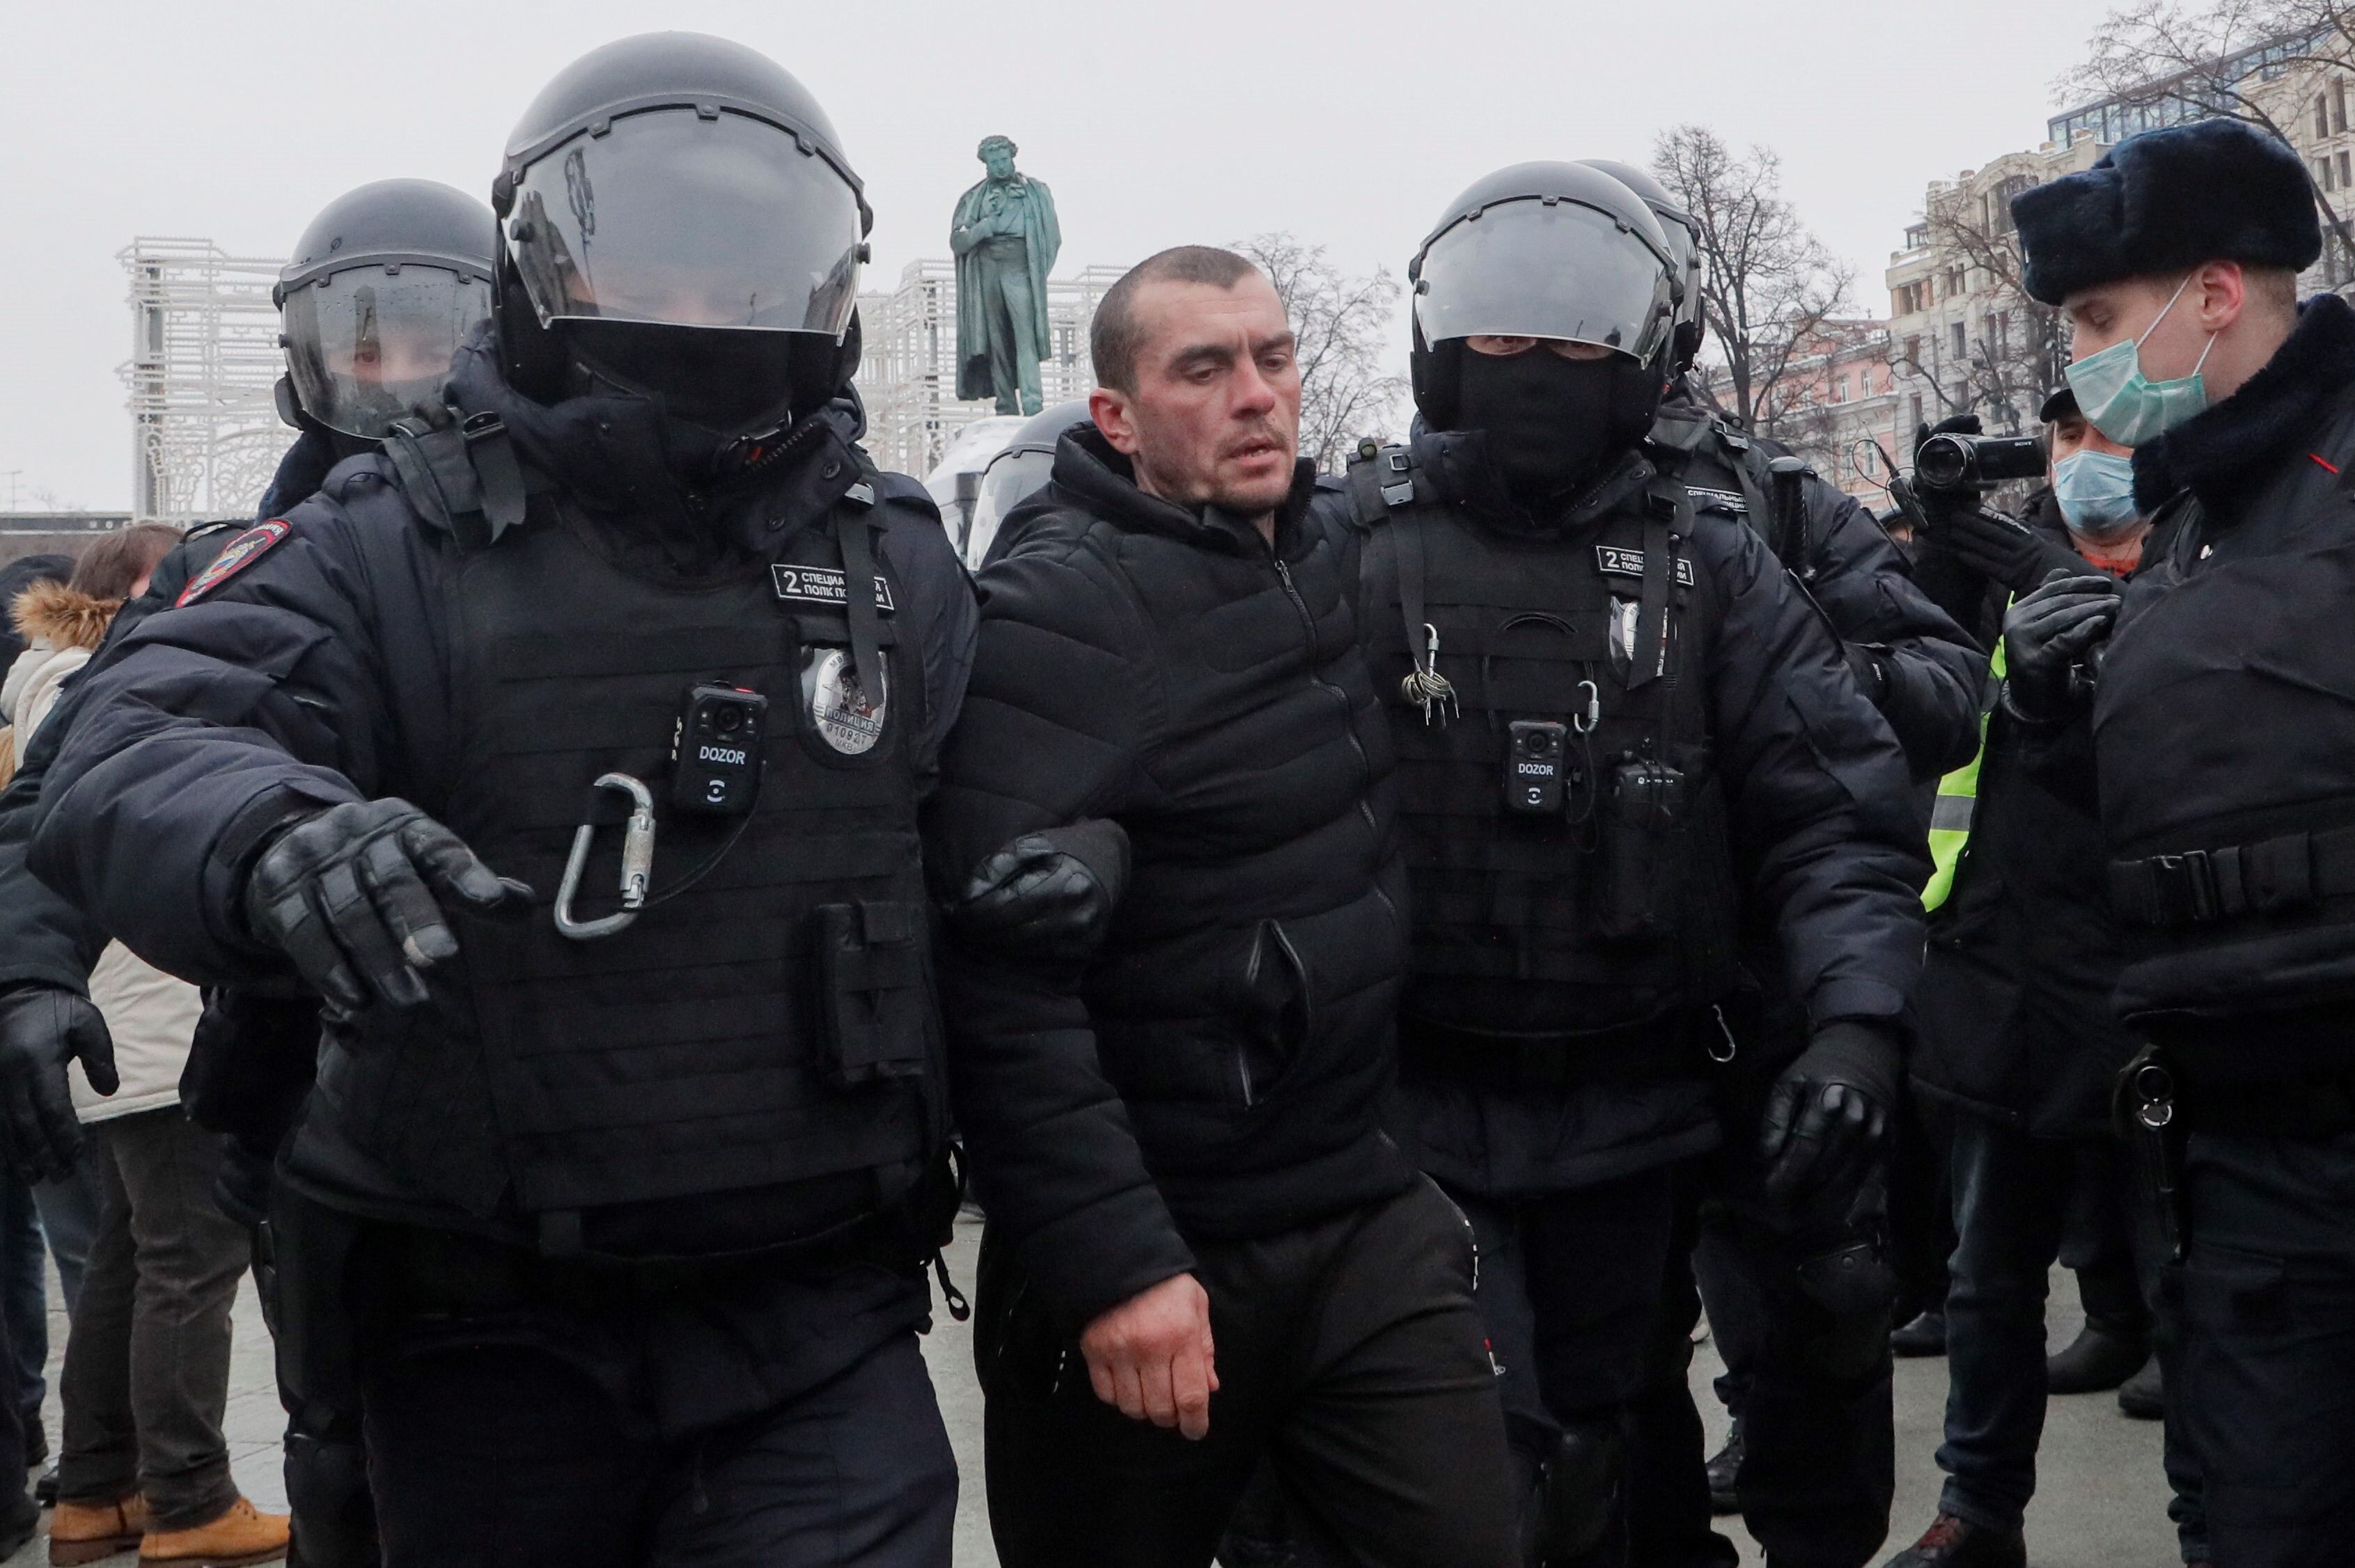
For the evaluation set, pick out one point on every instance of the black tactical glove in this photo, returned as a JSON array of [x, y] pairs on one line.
[[43, 1027], [1828, 1113], [1953, 424], [1047, 895], [2046, 633], [349, 894], [2001, 551]]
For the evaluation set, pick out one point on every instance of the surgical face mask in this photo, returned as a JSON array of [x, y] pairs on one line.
[[2127, 405], [2095, 490]]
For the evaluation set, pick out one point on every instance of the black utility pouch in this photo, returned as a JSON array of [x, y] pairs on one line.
[[871, 974], [1645, 813]]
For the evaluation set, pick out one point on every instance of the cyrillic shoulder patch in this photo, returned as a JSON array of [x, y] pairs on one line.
[[235, 557], [1723, 500]]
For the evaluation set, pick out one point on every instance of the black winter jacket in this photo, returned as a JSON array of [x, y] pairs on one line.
[[1215, 1070], [1925, 671], [2013, 1018], [1825, 834]]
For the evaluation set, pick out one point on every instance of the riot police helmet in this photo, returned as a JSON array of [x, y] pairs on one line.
[[1684, 246], [1021, 469], [385, 284], [1555, 251], [679, 220]]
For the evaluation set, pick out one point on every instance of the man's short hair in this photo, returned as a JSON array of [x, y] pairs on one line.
[[990, 143], [2275, 288], [1115, 339]]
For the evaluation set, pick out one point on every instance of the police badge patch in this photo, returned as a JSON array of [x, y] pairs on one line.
[[838, 709], [239, 553]]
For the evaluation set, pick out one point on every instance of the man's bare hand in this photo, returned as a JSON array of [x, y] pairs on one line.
[[1152, 1356]]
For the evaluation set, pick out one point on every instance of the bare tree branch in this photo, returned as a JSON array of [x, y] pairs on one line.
[[2172, 59], [1770, 284], [1344, 325]]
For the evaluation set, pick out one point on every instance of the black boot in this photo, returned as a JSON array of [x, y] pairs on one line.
[[1953, 1542], [2100, 1359], [1724, 1468], [2144, 1395], [1925, 1335]]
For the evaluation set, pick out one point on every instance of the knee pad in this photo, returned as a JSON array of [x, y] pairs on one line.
[[327, 1492], [1577, 1503]]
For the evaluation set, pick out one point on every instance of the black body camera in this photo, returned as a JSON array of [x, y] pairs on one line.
[[715, 754], [1953, 462], [1533, 781]]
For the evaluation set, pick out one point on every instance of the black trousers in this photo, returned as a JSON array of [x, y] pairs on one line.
[[2263, 1379], [1813, 1387], [1349, 1355], [502, 1455]]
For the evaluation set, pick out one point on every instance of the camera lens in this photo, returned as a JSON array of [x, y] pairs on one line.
[[730, 718]]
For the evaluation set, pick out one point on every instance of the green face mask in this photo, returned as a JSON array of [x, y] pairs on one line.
[[2127, 405]]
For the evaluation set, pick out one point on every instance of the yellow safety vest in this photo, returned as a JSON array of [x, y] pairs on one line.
[[1958, 797]]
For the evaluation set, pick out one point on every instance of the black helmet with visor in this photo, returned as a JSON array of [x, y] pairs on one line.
[[678, 218], [385, 285], [1548, 251], [1019, 471], [1684, 247]]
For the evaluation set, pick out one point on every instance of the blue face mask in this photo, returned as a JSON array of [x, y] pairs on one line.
[[2125, 405], [2095, 490]]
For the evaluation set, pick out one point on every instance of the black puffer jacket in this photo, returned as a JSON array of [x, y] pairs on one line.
[[1216, 1070], [2013, 1015]]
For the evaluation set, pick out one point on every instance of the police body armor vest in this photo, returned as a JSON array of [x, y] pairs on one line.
[[1615, 907], [754, 1062], [2225, 735]]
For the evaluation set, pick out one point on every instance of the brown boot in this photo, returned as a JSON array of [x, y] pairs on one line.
[[84, 1532], [244, 1534]]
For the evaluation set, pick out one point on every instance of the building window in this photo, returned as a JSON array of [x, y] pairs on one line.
[[1839, 391], [1913, 351], [2321, 115], [2323, 174], [1916, 402], [2338, 104], [1962, 341], [2343, 171]]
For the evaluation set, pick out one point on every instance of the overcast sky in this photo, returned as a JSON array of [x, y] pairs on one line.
[[1155, 121]]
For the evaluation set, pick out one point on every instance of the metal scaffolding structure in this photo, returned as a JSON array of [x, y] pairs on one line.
[[205, 359], [907, 374]]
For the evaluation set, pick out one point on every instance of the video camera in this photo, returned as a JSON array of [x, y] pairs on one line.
[[1952, 462]]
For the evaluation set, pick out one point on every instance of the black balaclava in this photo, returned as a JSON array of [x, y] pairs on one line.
[[1552, 425]]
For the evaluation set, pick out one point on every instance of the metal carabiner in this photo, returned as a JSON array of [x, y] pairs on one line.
[[637, 864], [1585, 723]]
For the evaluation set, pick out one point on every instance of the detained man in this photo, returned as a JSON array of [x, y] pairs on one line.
[[1167, 832]]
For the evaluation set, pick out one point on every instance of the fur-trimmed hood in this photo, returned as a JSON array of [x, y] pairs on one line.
[[62, 617]]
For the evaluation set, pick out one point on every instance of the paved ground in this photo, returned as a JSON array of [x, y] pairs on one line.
[[2102, 1503]]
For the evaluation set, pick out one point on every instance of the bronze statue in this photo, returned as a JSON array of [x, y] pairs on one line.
[[1004, 237]]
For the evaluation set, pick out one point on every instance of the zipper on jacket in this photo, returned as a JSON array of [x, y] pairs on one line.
[[1349, 720]]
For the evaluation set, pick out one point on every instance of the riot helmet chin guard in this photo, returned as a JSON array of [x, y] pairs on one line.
[[1684, 249], [674, 209], [385, 285], [1557, 251]]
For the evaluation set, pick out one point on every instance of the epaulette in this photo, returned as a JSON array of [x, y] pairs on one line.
[[217, 525], [1380, 479], [460, 473]]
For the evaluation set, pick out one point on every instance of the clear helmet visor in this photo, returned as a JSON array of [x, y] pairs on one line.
[[673, 219], [1539, 269], [364, 344], [1011, 478]]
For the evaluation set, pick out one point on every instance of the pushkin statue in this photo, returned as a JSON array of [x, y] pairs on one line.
[[1004, 238]]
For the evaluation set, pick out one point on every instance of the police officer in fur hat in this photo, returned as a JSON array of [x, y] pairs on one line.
[[2207, 708]]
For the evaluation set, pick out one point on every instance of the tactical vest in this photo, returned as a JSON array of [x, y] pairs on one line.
[[754, 1062], [2224, 734], [1616, 906]]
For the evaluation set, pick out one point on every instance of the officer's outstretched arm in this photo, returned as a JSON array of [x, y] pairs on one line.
[[208, 728]]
